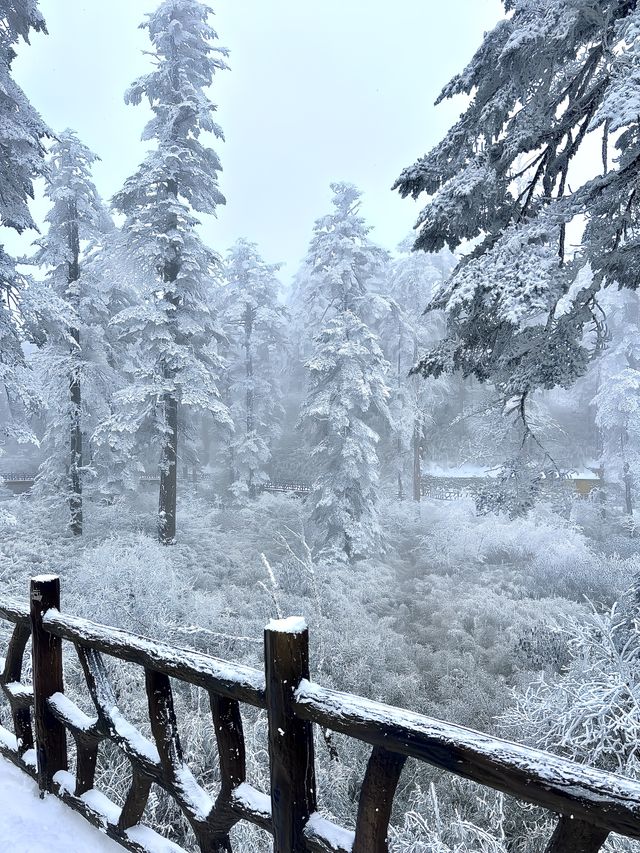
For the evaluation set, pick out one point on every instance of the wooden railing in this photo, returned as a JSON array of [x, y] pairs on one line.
[[18, 477], [451, 488], [296, 487], [591, 803]]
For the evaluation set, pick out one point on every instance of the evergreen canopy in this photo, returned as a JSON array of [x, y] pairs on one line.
[[21, 128], [553, 79], [21, 161]]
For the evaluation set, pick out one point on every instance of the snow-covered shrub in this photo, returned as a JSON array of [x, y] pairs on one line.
[[591, 713], [129, 581], [425, 829], [547, 554]]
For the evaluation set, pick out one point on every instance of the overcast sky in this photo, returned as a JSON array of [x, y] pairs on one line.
[[317, 92]]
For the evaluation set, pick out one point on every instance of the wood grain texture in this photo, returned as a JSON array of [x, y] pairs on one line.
[[46, 650], [593, 796], [20, 702], [574, 836], [291, 749], [376, 801], [234, 681]]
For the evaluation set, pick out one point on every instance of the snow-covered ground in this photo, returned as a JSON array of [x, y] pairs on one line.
[[31, 825]]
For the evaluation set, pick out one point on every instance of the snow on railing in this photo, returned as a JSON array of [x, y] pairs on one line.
[[443, 488], [591, 803], [287, 486]]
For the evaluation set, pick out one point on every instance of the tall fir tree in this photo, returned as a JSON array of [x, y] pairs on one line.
[[255, 326], [346, 402], [341, 264], [346, 398], [21, 161], [22, 129], [546, 234], [74, 348], [173, 360]]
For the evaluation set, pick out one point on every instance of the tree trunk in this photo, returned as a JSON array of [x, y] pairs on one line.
[[628, 482], [417, 439], [75, 499], [168, 473], [248, 331], [417, 465], [399, 378], [167, 503], [75, 391]]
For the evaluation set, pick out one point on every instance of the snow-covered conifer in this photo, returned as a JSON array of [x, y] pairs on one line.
[[405, 331], [72, 362], [21, 161], [172, 358], [546, 234], [255, 326], [617, 399], [346, 399], [346, 402], [340, 267], [21, 128]]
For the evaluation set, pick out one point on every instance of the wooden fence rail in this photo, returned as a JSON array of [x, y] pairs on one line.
[[590, 803]]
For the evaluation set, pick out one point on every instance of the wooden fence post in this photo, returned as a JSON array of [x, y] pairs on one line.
[[291, 753], [51, 740]]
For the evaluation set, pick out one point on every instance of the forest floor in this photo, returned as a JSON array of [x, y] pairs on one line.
[[456, 598], [458, 614]]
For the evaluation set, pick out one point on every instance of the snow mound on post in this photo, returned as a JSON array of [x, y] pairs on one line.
[[291, 625]]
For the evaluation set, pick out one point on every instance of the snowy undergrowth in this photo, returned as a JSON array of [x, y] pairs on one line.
[[458, 610], [545, 552]]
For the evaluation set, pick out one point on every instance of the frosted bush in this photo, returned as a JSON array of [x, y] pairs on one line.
[[547, 554], [127, 581], [476, 822], [592, 712], [498, 539]]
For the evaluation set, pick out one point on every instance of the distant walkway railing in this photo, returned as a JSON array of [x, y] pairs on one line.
[[452, 488], [436, 488], [591, 803], [288, 486]]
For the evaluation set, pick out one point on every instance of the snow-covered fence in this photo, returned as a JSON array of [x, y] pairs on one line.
[[289, 486], [591, 803], [452, 488], [18, 477], [18, 482]]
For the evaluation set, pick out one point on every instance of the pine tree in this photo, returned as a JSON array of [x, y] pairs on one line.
[[173, 360], [341, 264], [21, 161], [74, 348], [522, 307], [346, 402], [21, 129], [347, 393], [255, 327]]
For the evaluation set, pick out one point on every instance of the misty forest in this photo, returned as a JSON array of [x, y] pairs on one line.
[[429, 450]]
